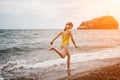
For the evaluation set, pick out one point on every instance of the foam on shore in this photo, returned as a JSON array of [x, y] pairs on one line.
[[111, 53]]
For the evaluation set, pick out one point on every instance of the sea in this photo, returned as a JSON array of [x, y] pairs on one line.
[[24, 49]]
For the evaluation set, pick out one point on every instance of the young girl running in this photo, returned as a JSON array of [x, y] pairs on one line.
[[66, 35]]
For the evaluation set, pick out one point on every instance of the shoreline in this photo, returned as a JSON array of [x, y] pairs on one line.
[[57, 69], [110, 72], [79, 71]]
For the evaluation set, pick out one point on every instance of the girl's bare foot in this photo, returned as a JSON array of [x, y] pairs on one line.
[[69, 73]]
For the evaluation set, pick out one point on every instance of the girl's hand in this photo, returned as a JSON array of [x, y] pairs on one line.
[[76, 46], [51, 43]]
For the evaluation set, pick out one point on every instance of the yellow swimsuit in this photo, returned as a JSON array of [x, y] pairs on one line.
[[65, 40]]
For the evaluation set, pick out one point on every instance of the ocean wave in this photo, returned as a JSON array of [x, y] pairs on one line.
[[19, 49], [79, 58], [13, 49], [74, 59], [23, 67]]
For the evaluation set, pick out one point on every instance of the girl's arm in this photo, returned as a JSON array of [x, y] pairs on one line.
[[55, 38], [73, 41]]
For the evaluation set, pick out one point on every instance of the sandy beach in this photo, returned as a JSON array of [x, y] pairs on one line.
[[107, 72]]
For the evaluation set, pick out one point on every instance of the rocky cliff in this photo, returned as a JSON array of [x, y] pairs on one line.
[[104, 22]]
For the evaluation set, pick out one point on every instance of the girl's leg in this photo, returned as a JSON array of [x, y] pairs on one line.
[[61, 53], [68, 61]]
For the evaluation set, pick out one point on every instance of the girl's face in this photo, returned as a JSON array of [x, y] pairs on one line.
[[68, 27]]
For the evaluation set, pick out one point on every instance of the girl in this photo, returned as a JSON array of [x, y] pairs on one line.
[[66, 35]]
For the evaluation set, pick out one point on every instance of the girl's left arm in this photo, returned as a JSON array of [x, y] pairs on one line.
[[73, 41], [51, 43]]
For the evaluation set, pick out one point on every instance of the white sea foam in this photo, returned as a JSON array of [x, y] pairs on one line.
[[1, 78], [15, 67], [81, 57]]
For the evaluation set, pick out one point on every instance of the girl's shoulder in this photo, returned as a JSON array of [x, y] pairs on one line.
[[62, 31]]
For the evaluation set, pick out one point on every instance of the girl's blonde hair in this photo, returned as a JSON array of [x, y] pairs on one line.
[[69, 23]]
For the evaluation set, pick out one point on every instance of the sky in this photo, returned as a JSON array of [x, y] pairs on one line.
[[53, 14]]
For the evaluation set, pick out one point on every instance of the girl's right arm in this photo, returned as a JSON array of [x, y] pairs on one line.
[[73, 40], [55, 38]]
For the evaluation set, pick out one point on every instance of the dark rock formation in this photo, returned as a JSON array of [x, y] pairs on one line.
[[104, 22]]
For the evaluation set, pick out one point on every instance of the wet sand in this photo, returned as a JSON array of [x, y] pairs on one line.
[[111, 71], [106, 73]]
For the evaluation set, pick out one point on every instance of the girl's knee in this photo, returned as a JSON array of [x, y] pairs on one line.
[[68, 56], [62, 56]]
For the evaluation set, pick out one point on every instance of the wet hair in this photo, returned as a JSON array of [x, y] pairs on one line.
[[69, 23]]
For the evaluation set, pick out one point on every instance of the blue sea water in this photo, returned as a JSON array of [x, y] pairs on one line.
[[15, 42], [23, 49]]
